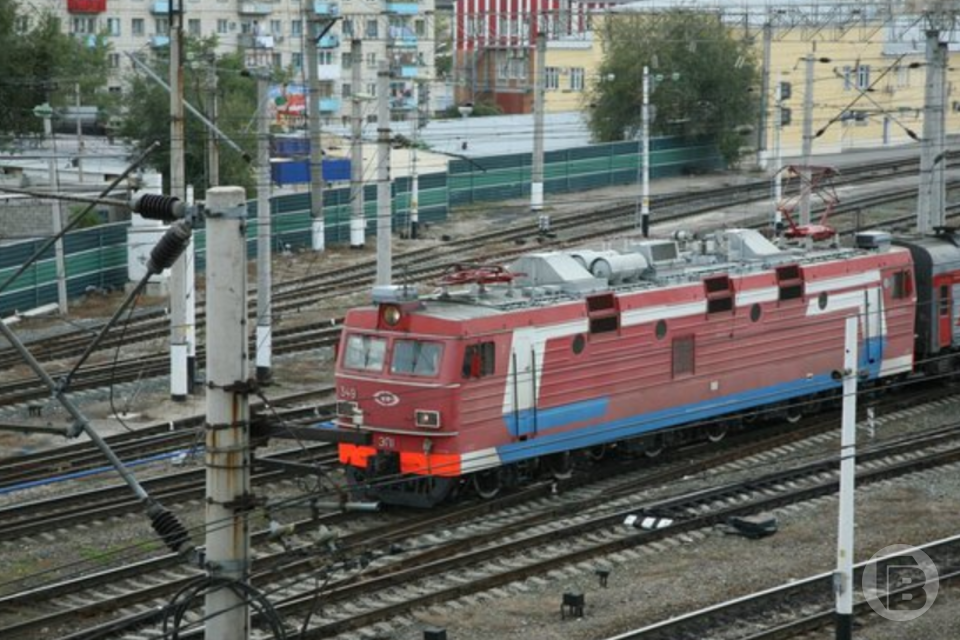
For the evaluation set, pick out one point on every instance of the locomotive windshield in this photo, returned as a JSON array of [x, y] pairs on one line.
[[365, 352], [416, 358]]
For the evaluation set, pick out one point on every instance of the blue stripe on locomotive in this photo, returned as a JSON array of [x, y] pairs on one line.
[[596, 434]]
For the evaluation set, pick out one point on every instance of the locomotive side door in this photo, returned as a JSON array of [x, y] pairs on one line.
[[943, 286]]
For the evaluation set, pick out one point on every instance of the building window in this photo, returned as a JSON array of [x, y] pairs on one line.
[[276, 28], [346, 60], [83, 25], [371, 60], [136, 26], [161, 26], [346, 27], [345, 90], [576, 78], [115, 90], [863, 77], [22, 24], [371, 31], [296, 28], [372, 89], [114, 60], [193, 26], [420, 28], [296, 60], [847, 78], [277, 59], [552, 78], [903, 76], [222, 26], [113, 26], [325, 57], [683, 360]]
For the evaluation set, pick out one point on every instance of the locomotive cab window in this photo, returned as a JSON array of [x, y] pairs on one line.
[[478, 360], [365, 353], [416, 357]]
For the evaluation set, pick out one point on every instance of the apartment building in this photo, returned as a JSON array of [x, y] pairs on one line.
[[400, 33]]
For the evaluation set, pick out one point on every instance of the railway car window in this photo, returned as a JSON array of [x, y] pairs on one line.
[[900, 285], [365, 352], [416, 358], [478, 360], [790, 282], [944, 300], [683, 363]]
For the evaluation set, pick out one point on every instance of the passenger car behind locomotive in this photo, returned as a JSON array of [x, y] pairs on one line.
[[505, 370]]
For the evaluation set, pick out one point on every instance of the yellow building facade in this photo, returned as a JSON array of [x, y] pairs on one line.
[[863, 97]]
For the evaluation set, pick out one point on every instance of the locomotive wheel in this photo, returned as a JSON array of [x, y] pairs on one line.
[[653, 446], [487, 483], [560, 465], [717, 432], [598, 453], [793, 415]]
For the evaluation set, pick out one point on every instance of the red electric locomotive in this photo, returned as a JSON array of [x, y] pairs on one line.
[[510, 369]]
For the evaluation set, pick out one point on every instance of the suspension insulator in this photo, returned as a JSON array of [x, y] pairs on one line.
[[157, 207], [169, 528], [169, 248]]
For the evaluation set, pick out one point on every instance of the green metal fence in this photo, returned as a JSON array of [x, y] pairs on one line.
[[97, 257]]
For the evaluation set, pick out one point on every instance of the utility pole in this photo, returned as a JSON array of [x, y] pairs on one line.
[[264, 250], [414, 180], [181, 291], [807, 138], [357, 221], [384, 201], [777, 158], [213, 140], [228, 412], [645, 160], [317, 226], [76, 91], [930, 197], [763, 150], [46, 112], [848, 451], [536, 174]]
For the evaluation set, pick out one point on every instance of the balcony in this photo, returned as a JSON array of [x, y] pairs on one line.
[[86, 6], [403, 8], [401, 39], [160, 7], [329, 105], [408, 71], [159, 41], [329, 41], [250, 41], [255, 8], [329, 9], [402, 104]]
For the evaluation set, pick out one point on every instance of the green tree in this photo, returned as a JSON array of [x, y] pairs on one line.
[[702, 71], [41, 64], [147, 116]]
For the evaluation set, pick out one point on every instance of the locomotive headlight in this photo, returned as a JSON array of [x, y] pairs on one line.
[[427, 419], [391, 315]]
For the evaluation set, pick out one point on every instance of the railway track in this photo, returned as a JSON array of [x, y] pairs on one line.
[[326, 333], [520, 535], [149, 440], [802, 606]]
